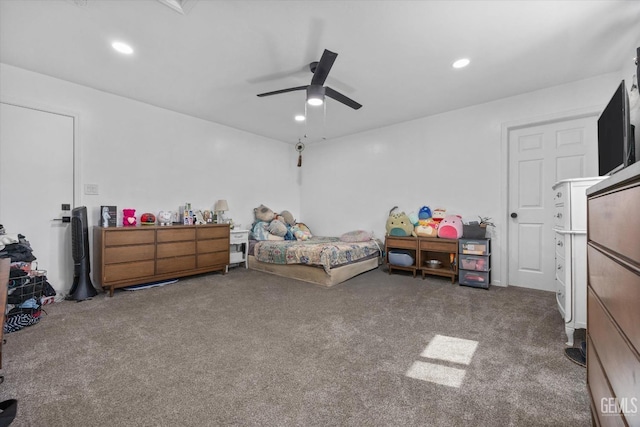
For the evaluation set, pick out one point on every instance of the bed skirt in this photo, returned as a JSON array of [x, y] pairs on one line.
[[316, 275]]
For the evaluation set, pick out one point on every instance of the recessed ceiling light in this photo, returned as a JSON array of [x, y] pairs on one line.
[[122, 48], [299, 118], [461, 63]]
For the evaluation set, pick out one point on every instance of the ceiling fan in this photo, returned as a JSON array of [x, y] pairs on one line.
[[316, 91]]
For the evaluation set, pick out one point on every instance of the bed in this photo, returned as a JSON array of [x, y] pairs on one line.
[[325, 261]]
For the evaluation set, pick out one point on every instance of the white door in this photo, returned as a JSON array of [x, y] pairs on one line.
[[539, 156], [36, 178]]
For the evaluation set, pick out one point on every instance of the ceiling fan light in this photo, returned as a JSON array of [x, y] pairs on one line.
[[315, 95]]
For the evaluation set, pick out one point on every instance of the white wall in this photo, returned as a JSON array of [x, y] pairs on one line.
[[452, 161], [152, 159]]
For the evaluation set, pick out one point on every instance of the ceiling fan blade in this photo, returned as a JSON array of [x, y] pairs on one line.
[[341, 98], [276, 92], [323, 67]]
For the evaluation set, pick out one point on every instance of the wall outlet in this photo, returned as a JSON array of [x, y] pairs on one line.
[[91, 189]]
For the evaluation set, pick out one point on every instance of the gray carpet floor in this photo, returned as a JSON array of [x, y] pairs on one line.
[[253, 349]]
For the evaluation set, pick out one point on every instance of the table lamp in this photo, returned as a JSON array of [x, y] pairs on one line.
[[220, 207]]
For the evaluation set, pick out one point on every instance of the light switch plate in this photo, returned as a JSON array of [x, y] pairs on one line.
[[91, 189]]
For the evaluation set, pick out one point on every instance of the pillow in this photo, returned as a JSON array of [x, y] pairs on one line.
[[277, 228], [260, 230], [356, 236]]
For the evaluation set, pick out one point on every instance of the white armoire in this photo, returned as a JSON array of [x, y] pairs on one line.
[[570, 229]]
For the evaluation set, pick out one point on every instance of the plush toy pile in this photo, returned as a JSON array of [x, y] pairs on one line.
[[424, 224], [271, 226]]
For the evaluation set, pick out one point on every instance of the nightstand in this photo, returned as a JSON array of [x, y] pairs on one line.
[[239, 241]]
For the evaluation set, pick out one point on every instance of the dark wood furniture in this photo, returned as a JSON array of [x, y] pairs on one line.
[[125, 256], [613, 298], [423, 249]]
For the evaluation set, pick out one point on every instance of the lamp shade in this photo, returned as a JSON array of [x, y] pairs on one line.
[[315, 94], [221, 206]]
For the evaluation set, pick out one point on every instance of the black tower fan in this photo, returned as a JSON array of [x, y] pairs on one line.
[[82, 287]]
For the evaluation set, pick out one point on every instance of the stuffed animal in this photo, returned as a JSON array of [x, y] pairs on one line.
[[399, 224], [301, 232], [439, 214], [147, 219], [277, 228], [165, 217], [427, 228], [263, 213], [424, 213], [288, 218], [413, 217], [450, 227], [129, 217]]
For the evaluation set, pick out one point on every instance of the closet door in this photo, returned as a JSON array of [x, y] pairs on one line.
[[36, 178]]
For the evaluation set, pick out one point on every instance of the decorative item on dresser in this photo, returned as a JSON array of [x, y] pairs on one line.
[[570, 230], [613, 298], [125, 256]]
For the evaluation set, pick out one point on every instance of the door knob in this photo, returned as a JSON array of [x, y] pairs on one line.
[[514, 215]]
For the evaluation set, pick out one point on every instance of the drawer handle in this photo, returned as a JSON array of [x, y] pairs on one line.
[[560, 244], [558, 194], [558, 215], [559, 267]]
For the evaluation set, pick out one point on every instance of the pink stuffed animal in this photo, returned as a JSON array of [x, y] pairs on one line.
[[129, 217], [450, 227]]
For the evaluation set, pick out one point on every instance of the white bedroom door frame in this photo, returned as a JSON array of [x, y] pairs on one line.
[[507, 130], [52, 244]]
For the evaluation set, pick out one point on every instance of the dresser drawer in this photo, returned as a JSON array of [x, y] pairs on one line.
[[560, 217], [166, 250], [214, 245], [402, 243], [621, 366], [560, 244], [213, 259], [560, 194], [611, 217], [239, 238], [128, 237], [176, 234], [127, 271], [443, 245], [561, 268], [212, 232], [619, 290], [116, 254], [598, 386], [175, 264]]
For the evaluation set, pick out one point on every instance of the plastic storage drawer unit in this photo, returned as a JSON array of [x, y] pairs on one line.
[[472, 262], [478, 279], [475, 247]]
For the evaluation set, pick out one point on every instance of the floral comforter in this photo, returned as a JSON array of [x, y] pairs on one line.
[[327, 252]]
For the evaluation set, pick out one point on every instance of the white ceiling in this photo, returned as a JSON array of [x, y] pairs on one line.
[[394, 57]]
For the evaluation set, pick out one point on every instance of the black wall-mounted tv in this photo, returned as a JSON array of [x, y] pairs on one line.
[[615, 147]]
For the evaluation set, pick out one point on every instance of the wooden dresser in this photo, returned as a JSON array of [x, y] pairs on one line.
[[613, 298], [125, 256]]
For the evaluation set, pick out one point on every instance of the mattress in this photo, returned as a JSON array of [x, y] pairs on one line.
[[316, 274]]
